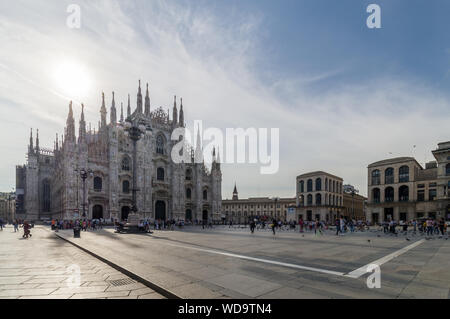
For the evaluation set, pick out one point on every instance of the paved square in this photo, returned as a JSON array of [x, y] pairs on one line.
[[38, 267], [232, 263]]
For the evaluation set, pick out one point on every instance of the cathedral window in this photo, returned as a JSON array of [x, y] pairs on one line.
[[160, 174], [205, 195], [188, 174], [97, 184], [160, 144], [46, 196], [126, 187], [126, 163], [188, 193]]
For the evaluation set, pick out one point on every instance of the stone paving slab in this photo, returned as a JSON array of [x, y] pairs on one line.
[[37, 268]]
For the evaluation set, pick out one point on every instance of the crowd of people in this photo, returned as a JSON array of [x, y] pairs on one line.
[[344, 225]]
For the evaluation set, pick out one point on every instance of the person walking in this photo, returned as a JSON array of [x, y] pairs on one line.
[[429, 224], [274, 224], [317, 227], [338, 226], [252, 226], [441, 226], [16, 225], [342, 225], [300, 223], [26, 230], [1, 224]]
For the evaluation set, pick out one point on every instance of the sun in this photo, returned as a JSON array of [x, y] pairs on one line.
[[72, 79]]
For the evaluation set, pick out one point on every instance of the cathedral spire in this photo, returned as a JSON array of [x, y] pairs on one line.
[[103, 111], [129, 107], [198, 148], [113, 114], [82, 129], [235, 192], [70, 125], [30, 147], [147, 102], [37, 140], [139, 99], [121, 112], [56, 143], [181, 121], [175, 111]]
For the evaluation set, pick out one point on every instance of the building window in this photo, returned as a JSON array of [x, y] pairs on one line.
[[309, 185], [389, 176], [326, 184], [160, 174], [432, 194], [403, 174], [188, 193], [126, 187], [205, 195], [403, 193], [447, 169], [188, 174], [125, 163], [318, 199], [376, 195], [309, 199], [46, 196], [318, 184], [389, 194], [160, 144], [421, 186], [420, 195], [376, 177], [302, 186], [97, 184]]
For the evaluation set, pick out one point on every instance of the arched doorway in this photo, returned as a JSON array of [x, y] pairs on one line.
[[125, 212], [205, 215], [188, 215], [97, 212], [160, 210]]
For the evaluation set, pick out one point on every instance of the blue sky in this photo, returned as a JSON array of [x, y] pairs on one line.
[[342, 95]]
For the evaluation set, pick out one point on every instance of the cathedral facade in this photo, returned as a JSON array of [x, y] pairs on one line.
[[51, 184]]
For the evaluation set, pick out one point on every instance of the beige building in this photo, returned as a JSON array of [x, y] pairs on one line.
[[401, 189], [242, 210], [7, 207], [319, 195], [354, 206]]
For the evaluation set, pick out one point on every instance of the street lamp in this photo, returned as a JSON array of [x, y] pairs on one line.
[[134, 131], [84, 175]]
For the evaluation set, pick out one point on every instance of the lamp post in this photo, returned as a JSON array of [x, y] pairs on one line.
[[84, 175], [135, 132]]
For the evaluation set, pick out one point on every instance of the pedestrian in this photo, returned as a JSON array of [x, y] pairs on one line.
[[441, 226], [317, 227], [26, 230], [429, 225], [273, 225], [252, 226], [16, 225], [300, 223], [338, 226]]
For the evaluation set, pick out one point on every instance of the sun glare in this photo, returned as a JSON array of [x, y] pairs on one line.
[[72, 78]]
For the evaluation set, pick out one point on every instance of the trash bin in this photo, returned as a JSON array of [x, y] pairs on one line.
[[76, 232]]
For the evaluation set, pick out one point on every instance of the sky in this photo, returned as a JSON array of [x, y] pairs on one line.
[[342, 95]]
